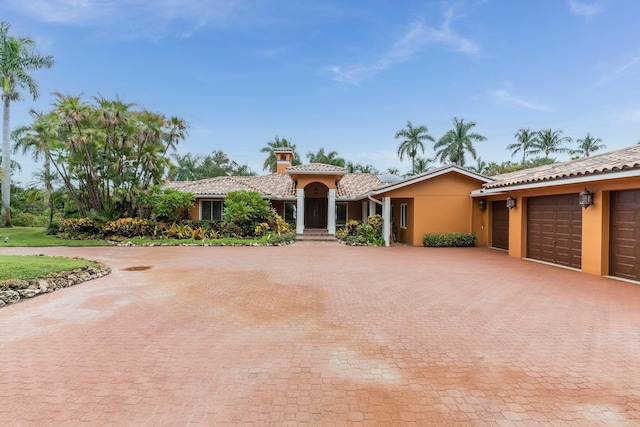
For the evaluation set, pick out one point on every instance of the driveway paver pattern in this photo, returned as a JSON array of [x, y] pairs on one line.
[[333, 335]]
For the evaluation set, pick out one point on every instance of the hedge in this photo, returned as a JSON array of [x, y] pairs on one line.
[[449, 240]]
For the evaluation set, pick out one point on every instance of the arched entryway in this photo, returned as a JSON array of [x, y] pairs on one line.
[[316, 205]]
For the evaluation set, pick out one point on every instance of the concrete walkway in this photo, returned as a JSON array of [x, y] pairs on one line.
[[333, 335]]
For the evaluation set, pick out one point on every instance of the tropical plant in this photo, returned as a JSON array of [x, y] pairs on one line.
[[271, 162], [166, 204], [246, 209], [17, 58], [393, 171], [330, 158], [549, 141], [359, 168], [413, 140], [421, 165], [586, 146], [456, 142], [107, 154], [481, 167], [449, 240], [526, 138]]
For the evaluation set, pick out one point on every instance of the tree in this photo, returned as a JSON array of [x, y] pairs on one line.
[[481, 167], [393, 171], [412, 141], [271, 162], [586, 146], [330, 158], [190, 167], [107, 154], [421, 165], [549, 141], [526, 138], [17, 59], [37, 138], [453, 145], [359, 168]]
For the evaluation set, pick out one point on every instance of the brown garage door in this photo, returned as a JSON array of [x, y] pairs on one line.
[[500, 225], [554, 229], [624, 250]]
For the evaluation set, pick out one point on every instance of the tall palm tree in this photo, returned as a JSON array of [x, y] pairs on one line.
[[587, 145], [526, 138], [453, 145], [38, 139], [271, 162], [330, 158], [412, 141], [17, 58], [549, 141]]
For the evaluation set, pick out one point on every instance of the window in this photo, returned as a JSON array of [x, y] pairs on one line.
[[403, 215], [341, 214], [211, 210], [290, 212]]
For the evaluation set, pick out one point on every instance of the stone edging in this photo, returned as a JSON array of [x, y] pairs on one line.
[[12, 290]]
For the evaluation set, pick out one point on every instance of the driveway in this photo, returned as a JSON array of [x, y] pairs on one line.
[[322, 335]]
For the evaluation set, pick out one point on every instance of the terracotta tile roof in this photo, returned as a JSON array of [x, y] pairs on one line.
[[614, 161], [357, 184], [316, 168], [276, 185]]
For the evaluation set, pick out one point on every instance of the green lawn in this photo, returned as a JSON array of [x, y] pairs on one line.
[[35, 237], [33, 267]]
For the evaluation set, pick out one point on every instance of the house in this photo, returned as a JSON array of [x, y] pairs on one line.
[[545, 221], [319, 196]]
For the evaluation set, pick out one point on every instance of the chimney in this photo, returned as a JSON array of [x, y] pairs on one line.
[[284, 156]]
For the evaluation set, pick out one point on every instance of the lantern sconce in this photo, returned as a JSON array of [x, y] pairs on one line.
[[511, 202], [585, 198], [482, 204], [315, 191]]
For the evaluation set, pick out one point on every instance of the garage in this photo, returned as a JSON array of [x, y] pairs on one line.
[[554, 229], [499, 225], [624, 252]]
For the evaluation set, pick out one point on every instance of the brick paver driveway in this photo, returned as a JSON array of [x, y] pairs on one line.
[[322, 335]]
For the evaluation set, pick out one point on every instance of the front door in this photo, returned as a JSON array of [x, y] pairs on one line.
[[315, 213]]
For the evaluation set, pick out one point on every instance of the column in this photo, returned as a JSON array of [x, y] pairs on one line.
[[331, 220], [372, 208], [386, 220], [365, 212], [300, 211]]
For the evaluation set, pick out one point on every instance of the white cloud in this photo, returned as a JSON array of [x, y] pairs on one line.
[[504, 96], [407, 46], [131, 18], [584, 9], [616, 72]]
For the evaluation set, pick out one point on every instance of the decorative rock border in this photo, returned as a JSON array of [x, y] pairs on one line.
[[12, 290]]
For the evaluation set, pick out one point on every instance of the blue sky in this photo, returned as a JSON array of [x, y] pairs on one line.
[[345, 74]]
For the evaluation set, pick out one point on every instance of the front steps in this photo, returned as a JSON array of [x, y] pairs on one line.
[[318, 236]]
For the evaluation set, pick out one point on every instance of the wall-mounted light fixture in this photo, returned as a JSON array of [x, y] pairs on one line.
[[511, 202], [315, 191], [482, 204], [585, 198]]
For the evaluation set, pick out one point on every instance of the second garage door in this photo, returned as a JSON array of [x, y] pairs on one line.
[[554, 229]]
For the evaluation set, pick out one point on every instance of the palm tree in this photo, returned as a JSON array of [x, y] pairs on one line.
[[481, 167], [271, 162], [17, 58], [421, 165], [549, 141], [586, 146], [453, 145], [413, 140], [526, 138], [393, 171], [330, 158], [38, 138]]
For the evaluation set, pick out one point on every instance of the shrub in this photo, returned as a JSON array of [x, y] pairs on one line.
[[25, 219], [356, 233], [449, 239], [129, 227], [246, 209], [78, 227], [280, 239], [167, 204]]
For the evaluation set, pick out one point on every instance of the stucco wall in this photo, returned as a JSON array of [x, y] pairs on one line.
[[440, 204]]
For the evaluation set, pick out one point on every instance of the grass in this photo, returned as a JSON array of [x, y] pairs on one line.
[[35, 237], [215, 242], [33, 267]]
